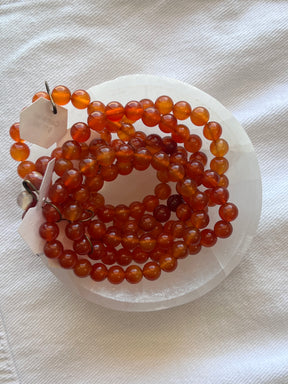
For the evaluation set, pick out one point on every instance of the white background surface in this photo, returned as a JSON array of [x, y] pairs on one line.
[[238, 333]]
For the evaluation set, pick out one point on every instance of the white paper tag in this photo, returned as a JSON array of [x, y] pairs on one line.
[[29, 228], [39, 125]]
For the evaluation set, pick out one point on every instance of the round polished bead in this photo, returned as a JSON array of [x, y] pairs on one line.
[[212, 130], [110, 172], [82, 268], [162, 191], [42, 94], [112, 236], [210, 179], [160, 160], [35, 178], [208, 238], [147, 243], [129, 227], [114, 111], [96, 229], [193, 143], [105, 155], [133, 110], [121, 212], [198, 201], [97, 199], [98, 250], [151, 271], [168, 263], [80, 132], [116, 274], [71, 150], [174, 201], [75, 230], [129, 241], [124, 168], [68, 259], [126, 132], [199, 156], [186, 187], [176, 172], [163, 176], [57, 193], [95, 144], [219, 147], [106, 214], [136, 142], [133, 274], [99, 272], [80, 99], [154, 143], [199, 219], [15, 132], [72, 211], [228, 212], [53, 249], [219, 165], [95, 106], [84, 150], [191, 235], [95, 183], [110, 256], [51, 213], [125, 153], [162, 213], [164, 241], [169, 145], [179, 157], [139, 256], [142, 158], [195, 170], [82, 246], [89, 167], [146, 103], [72, 179], [199, 116], [183, 212], [61, 95], [182, 110], [25, 167], [168, 123], [223, 181], [56, 153], [194, 249], [147, 222], [150, 202], [164, 104], [179, 250], [177, 229], [19, 151], [113, 126], [181, 133], [223, 229], [41, 164], [97, 121], [136, 209], [219, 195], [123, 257], [49, 231], [151, 117]]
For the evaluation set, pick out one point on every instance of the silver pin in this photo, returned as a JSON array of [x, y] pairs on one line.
[[54, 108]]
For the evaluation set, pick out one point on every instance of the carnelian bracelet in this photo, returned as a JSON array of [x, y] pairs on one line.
[[105, 238]]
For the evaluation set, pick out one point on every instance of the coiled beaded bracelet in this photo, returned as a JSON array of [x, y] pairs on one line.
[[105, 238]]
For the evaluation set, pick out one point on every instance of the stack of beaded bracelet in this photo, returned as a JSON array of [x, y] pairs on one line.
[[106, 238]]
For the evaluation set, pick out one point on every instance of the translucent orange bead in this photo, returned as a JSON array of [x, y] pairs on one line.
[[199, 156], [80, 99], [89, 167], [160, 160], [106, 136], [228, 212], [97, 121], [136, 209], [126, 132], [81, 194], [50, 213], [49, 231], [40, 94], [199, 116], [124, 168], [164, 241], [183, 212], [219, 148], [96, 106], [150, 202], [198, 201], [125, 153], [35, 178], [96, 199], [80, 132], [82, 268], [162, 191], [68, 259], [147, 242], [121, 212], [162, 213], [223, 229], [176, 172], [72, 179], [116, 274], [57, 193], [53, 249], [219, 195], [61, 95], [41, 164], [210, 178], [146, 103], [14, 132], [195, 170], [99, 250], [193, 143], [123, 257], [110, 256], [56, 153], [219, 165], [142, 159], [186, 187], [179, 250], [99, 272], [223, 181], [191, 236], [19, 151], [154, 143], [212, 130], [208, 238], [139, 256], [96, 229], [167, 123], [182, 110], [163, 176], [151, 117], [141, 135], [130, 241], [168, 263], [105, 155], [164, 104], [106, 214], [114, 111], [151, 271], [110, 172], [133, 110], [199, 219], [95, 144], [62, 165], [181, 133], [82, 246], [72, 211], [25, 167], [177, 229], [71, 150], [112, 236], [133, 274], [75, 230], [169, 145]]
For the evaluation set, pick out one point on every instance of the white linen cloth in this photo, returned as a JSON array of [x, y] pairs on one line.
[[238, 333]]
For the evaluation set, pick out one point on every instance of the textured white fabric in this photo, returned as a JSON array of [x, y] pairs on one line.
[[238, 333]]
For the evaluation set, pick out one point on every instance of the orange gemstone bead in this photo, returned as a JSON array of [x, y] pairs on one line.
[[72, 179], [134, 110], [164, 104], [124, 168], [193, 143], [72, 211], [168, 263], [176, 172], [169, 146], [40, 94], [182, 110], [177, 229], [96, 229], [114, 111], [179, 250], [167, 123], [210, 179], [49, 231], [68, 259], [142, 159], [199, 219], [198, 201], [183, 212], [191, 236], [162, 213], [199, 156], [14, 132], [126, 132], [163, 176], [50, 213], [219, 148], [35, 178], [219, 165], [223, 229], [82, 246], [62, 165], [219, 195], [199, 116], [53, 249], [160, 160], [151, 117], [89, 167], [82, 268], [181, 133], [80, 132], [19, 151], [80, 99], [106, 214], [121, 212], [147, 243], [57, 193], [136, 209], [105, 155], [174, 201], [186, 187], [97, 121], [125, 153], [112, 236], [61, 95], [150, 202], [75, 230], [162, 191], [228, 212], [96, 106], [146, 103], [223, 181], [71, 150], [116, 274], [99, 272], [99, 250], [212, 130], [25, 167], [151, 271], [41, 164], [133, 274], [56, 153], [208, 238]]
